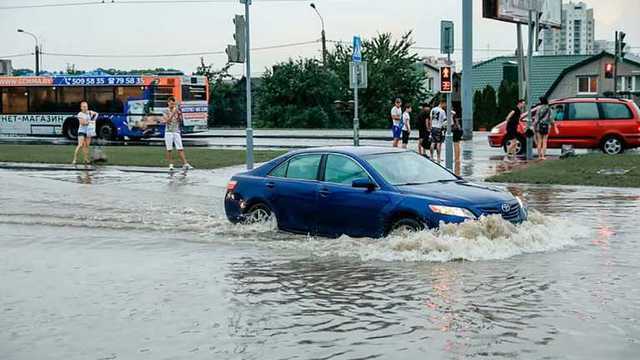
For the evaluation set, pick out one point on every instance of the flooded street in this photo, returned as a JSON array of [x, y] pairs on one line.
[[116, 265]]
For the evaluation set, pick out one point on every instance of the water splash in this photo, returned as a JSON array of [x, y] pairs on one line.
[[486, 239]]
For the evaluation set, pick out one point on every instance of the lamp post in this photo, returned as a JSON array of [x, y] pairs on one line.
[[37, 49], [324, 38]]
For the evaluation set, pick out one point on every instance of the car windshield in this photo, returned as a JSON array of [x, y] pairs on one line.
[[408, 168]]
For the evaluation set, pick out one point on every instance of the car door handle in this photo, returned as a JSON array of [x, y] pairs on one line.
[[324, 192], [270, 185]]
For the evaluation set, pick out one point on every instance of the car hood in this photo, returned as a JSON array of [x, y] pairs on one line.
[[460, 193]]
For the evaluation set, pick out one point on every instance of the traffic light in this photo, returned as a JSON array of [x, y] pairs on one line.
[[608, 71], [237, 53], [621, 44], [539, 28]]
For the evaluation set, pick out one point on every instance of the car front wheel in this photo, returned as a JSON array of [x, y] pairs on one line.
[[612, 145], [258, 213], [406, 225], [520, 145]]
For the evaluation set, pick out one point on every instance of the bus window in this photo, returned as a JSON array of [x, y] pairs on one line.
[[194, 92], [101, 99], [69, 99], [15, 100], [123, 94], [42, 99], [161, 95]]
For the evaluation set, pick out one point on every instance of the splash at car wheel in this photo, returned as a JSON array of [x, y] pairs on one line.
[[404, 226], [258, 213]]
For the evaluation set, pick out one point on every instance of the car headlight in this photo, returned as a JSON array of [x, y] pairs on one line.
[[495, 130], [452, 211], [523, 204]]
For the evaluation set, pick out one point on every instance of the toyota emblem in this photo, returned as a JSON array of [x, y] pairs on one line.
[[506, 207]]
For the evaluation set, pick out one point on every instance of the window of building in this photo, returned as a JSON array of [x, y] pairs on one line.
[[15, 100], [42, 99], [587, 85]]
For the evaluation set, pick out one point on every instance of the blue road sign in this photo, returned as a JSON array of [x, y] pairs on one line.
[[357, 49]]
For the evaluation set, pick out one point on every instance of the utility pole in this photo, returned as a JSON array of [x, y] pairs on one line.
[[615, 66], [529, 94], [37, 52], [249, 130], [467, 66], [323, 35]]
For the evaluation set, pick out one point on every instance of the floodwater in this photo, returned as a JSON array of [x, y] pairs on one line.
[[114, 265]]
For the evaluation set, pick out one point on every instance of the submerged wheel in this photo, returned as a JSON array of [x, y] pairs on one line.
[[406, 225], [258, 213], [612, 145], [107, 131]]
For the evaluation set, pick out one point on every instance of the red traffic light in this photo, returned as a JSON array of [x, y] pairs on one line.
[[608, 71]]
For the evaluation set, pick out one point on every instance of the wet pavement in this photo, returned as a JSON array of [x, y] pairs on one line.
[[125, 265]]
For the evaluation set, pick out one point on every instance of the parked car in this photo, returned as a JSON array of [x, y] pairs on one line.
[[361, 192], [609, 124]]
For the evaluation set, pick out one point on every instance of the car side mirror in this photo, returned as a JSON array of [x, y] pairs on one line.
[[364, 183]]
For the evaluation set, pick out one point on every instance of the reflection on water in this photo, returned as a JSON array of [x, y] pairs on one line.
[[145, 265]]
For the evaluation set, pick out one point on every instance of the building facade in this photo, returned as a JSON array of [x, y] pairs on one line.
[[577, 34], [588, 79]]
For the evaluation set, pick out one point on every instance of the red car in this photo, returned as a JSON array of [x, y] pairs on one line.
[[612, 125]]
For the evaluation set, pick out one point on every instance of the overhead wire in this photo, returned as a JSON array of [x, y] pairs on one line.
[[129, 2]]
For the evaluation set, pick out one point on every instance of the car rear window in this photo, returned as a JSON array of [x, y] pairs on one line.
[[616, 111]]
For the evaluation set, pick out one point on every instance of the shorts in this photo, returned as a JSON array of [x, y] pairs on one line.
[[423, 134], [437, 136], [426, 143], [396, 132], [543, 129], [457, 135], [510, 136], [82, 131], [405, 136], [171, 138]]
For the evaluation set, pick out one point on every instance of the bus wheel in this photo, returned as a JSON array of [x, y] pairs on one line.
[[70, 128], [107, 131]]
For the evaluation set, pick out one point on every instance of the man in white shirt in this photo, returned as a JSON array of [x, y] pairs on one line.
[[438, 127], [396, 117]]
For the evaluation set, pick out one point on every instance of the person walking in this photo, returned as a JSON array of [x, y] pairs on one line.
[[438, 121], [172, 118], [86, 131], [542, 125], [424, 142], [406, 126], [513, 120], [396, 118]]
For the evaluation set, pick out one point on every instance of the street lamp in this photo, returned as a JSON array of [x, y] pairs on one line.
[[37, 49], [324, 38]]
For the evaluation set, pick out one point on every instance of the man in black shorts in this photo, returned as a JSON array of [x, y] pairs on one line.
[[513, 120], [424, 141]]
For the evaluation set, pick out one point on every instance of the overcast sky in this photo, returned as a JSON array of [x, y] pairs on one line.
[[178, 28]]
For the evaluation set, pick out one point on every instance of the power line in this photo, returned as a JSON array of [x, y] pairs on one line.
[[200, 53], [15, 55], [130, 2]]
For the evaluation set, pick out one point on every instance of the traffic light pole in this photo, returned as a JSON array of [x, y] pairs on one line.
[[247, 3], [615, 66], [449, 135], [467, 66], [529, 94]]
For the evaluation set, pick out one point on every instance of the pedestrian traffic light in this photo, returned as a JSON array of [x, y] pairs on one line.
[[608, 71], [539, 28]]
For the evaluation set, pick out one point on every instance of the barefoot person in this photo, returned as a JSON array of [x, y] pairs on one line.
[[513, 120], [172, 118], [86, 130], [406, 126], [542, 125], [438, 122]]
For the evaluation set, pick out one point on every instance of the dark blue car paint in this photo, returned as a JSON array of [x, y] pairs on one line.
[[313, 206]]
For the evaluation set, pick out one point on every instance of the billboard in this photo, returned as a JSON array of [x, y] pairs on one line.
[[517, 11]]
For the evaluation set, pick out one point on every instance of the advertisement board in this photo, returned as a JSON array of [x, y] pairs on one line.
[[517, 11]]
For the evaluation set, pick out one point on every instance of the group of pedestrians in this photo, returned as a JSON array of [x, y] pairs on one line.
[[171, 118], [432, 129], [543, 123]]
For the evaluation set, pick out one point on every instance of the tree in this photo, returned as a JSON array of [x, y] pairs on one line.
[[485, 111], [392, 73], [227, 96], [507, 98], [299, 94]]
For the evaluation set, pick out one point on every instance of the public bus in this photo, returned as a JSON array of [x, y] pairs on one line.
[[129, 105]]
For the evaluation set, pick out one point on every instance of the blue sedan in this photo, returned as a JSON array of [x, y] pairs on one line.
[[361, 192]]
